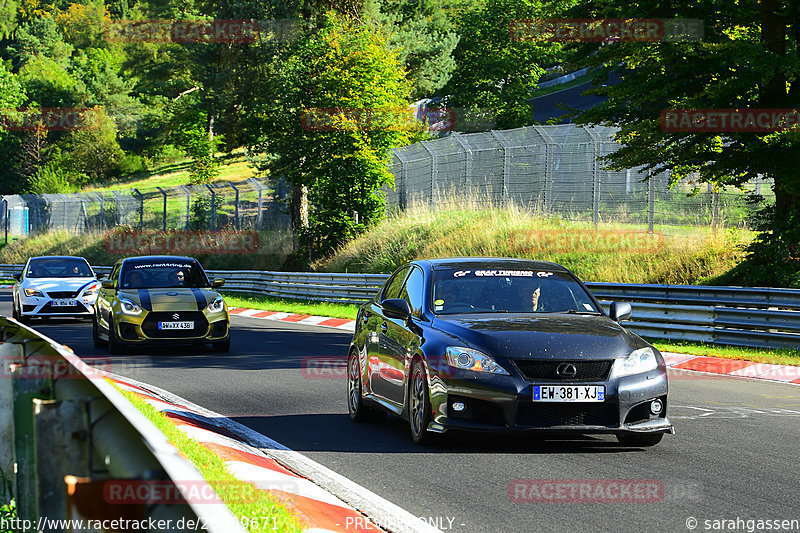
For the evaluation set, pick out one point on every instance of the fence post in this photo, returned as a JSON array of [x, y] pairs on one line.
[[597, 152], [213, 206], [548, 167], [102, 210], [467, 163], [402, 189], [188, 194], [141, 208], [259, 188], [235, 206], [433, 168], [506, 162], [5, 216], [164, 217], [714, 207], [651, 201], [119, 207]]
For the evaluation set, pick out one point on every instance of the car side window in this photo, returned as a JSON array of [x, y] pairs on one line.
[[392, 288], [414, 291]]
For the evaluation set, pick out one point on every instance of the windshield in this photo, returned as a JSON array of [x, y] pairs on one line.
[[163, 274], [508, 291], [59, 267]]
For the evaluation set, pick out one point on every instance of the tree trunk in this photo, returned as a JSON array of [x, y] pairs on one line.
[[299, 213]]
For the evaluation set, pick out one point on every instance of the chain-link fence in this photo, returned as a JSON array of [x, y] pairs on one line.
[[248, 204], [558, 170]]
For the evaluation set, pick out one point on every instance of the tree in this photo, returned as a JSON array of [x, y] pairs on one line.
[[749, 57], [495, 72], [338, 67], [424, 35]]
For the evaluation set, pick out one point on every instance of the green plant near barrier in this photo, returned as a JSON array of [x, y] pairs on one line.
[[8, 509]]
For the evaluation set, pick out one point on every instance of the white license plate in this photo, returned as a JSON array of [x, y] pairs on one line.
[[176, 325], [569, 393], [63, 303]]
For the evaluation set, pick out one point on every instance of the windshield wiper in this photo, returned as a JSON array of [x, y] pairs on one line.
[[576, 312]]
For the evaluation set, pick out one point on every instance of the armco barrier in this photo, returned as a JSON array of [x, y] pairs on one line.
[[756, 317], [73, 432]]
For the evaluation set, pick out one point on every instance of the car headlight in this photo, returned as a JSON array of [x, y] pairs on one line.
[[641, 360], [217, 305], [129, 308], [33, 292], [469, 359], [92, 290]]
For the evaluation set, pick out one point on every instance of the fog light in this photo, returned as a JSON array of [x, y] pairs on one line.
[[656, 407], [459, 406]]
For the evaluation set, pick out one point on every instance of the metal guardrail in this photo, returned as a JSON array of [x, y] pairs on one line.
[[68, 436], [742, 316]]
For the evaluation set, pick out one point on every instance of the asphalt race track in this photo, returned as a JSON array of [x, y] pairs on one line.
[[735, 453]]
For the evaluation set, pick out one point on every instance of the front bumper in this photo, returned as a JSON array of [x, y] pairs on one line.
[[505, 403], [41, 306], [140, 329]]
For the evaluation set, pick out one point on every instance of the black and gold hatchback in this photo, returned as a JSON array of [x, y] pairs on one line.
[[160, 299]]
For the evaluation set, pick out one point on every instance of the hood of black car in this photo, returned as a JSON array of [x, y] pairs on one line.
[[543, 336]]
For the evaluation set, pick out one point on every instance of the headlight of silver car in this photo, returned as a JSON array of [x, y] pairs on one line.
[[469, 359], [129, 308], [91, 290], [217, 305], [33, 292], [641, 360]]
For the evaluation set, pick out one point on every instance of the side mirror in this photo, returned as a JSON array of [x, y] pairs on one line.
[[396, 308], [217, 283], [108, 284], [620, 311], [18, 276]]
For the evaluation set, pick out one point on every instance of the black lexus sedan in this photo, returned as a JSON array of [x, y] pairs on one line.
[[485, 344]]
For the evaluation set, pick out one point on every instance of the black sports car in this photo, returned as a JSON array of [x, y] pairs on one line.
[[503, 344]]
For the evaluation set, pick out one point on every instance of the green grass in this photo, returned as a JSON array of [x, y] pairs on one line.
[[609, 252], [234, 167], [555, 88], [243, 499], [299, 307], [772, 356]]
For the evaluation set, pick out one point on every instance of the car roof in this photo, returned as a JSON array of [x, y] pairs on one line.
[[159, 258], [463, 263], [59, 257]]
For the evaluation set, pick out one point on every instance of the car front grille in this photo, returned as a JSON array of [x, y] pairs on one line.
[[150, 325], [62, 294], [547, 370], [546, 414]]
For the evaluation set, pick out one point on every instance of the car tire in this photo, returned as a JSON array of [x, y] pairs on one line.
[[222, 346], [15, 312], [639, 439], [115, 346], [96, 340], [419, 405], [359, 411]]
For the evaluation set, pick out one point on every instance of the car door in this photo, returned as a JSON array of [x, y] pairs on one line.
[[105, 298], [402, 338], [380, 375]]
